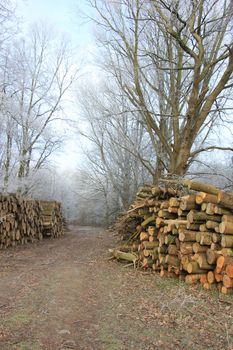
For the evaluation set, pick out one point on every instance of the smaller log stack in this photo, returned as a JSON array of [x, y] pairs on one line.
[[188, 236], [24, 221], [52, 219], [20, 220]]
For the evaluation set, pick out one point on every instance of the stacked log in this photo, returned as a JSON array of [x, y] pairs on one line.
[[212, 238], [20, 220], [151, 201], [185, 236], [25, 220], [52, 219], [224, 272]]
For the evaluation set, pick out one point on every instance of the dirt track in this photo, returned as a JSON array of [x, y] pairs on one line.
[[64, 294]]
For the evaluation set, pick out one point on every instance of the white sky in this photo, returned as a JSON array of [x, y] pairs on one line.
[[66, 16]]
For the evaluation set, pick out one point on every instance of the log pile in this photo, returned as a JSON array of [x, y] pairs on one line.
[[52, 219], [25, 220], [187, 236], [20, 220]]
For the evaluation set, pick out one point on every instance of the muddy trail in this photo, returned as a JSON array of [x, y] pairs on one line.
[[65, 294]]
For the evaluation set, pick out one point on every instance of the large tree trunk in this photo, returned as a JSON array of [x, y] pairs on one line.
[[180, 160]]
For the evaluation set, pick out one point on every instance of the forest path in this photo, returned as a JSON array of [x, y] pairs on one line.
[[64, 294]]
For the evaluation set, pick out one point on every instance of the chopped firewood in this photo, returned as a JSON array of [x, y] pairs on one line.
[[203, 197], [227, 241], [229, 270], [226, 227], [24, 220], [225, 199], [226, 290], [210, 277], [193, 278], [227, 281], [124, 256], [188, 236], [199, 186]]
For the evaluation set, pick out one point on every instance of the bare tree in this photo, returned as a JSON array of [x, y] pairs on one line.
[[42, 74], [117, 155], [174, 63]]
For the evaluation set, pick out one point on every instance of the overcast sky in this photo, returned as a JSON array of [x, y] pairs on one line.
[[67, 16]]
